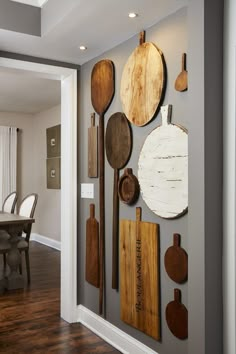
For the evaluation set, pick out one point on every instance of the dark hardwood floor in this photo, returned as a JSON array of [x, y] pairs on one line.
[[30, 319]]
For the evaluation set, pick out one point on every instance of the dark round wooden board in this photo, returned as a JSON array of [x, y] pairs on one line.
[[118, 140], [176, 261], [177, 316], [128, 187]]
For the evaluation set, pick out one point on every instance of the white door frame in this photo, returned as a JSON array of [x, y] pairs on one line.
[[68, 78]]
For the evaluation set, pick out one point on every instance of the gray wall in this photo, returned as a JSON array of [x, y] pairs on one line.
[[196, 30], [170, 35]]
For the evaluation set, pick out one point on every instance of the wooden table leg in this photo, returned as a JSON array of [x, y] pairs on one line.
[[14, 280]]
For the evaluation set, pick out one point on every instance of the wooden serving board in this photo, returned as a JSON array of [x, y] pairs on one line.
[[143, 83], [163, 168], [92, 249], [93, 149], [139, 275]]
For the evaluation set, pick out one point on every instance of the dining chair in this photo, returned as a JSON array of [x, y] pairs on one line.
[[9, 203], [26, 208], [8, 206]]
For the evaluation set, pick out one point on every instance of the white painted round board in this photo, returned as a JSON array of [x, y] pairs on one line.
[[163, 168]]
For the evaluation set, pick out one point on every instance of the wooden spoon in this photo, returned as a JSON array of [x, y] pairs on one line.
[[102, 92], [181, 83]]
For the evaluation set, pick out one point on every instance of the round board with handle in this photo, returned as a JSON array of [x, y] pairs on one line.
[[163, 168]]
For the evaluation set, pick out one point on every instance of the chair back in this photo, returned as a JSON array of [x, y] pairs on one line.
[[9, 203], [27, 208]]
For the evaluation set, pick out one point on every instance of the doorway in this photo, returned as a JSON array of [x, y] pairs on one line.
[[68, 79]]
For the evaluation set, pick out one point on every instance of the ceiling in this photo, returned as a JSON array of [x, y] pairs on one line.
[[23, 93], [65, 25]]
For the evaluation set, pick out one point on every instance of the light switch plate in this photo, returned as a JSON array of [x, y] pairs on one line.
[[87, 190]]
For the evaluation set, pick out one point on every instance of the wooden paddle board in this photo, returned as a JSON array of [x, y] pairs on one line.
[[92, 249], [139, 275], [163, 168], [143, 83]]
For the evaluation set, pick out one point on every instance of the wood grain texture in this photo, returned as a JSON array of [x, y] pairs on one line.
[[181, 82], [30, 318], [177, 316], [176, 261], [92, 249], [163, 169], [143, 83], [93, 149], [139, 275], [102, 85], [118, 140], [102, 92], [118, 149]]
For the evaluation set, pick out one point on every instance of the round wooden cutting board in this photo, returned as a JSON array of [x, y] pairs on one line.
[[163, 168], [142, 83]]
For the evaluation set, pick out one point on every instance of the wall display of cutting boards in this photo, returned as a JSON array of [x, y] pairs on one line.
[[139, 275], [102, 92], [177, 316], [118, 143], [92, 249], [143, 83], [163, 168], [92, 149], [176, 261]]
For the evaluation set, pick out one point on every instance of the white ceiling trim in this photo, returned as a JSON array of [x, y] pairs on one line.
[[37, 3]]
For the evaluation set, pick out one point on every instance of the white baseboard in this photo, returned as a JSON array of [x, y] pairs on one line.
[[111, 334], [46, 241]]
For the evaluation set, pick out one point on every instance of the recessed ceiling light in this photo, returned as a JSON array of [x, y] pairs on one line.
[[133, 15], [82, 47]]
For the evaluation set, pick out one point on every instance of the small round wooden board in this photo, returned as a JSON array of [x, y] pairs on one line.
[[177, 316], [176, 261], [142, 83], [163, 168], [128, 187]]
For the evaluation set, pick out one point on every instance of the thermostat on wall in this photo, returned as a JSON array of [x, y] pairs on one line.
[[87, 190]]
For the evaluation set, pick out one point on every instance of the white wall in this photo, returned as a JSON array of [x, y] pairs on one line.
[[229, 188], [48, 212]]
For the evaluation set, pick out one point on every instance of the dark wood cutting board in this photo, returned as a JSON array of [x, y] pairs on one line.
[[177, 316], [139, 275], [176, 261], [92, 249]]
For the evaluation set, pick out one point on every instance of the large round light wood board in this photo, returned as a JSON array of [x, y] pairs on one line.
[[142, 83], [163, 168]]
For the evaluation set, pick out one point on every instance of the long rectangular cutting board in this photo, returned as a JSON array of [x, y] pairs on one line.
[[139, 275]]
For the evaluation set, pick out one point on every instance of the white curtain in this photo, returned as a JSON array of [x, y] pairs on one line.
[[8, 161]]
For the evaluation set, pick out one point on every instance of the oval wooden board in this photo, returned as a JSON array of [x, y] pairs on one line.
[[142, 83], [163, 169], [176, 261], [177, 316], [102, 85], [118, 140]]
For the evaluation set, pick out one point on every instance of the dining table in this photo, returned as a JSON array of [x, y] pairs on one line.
[[14, 225]]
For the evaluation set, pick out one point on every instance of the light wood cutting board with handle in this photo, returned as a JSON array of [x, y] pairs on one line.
[[143, 82], [139, 275]]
